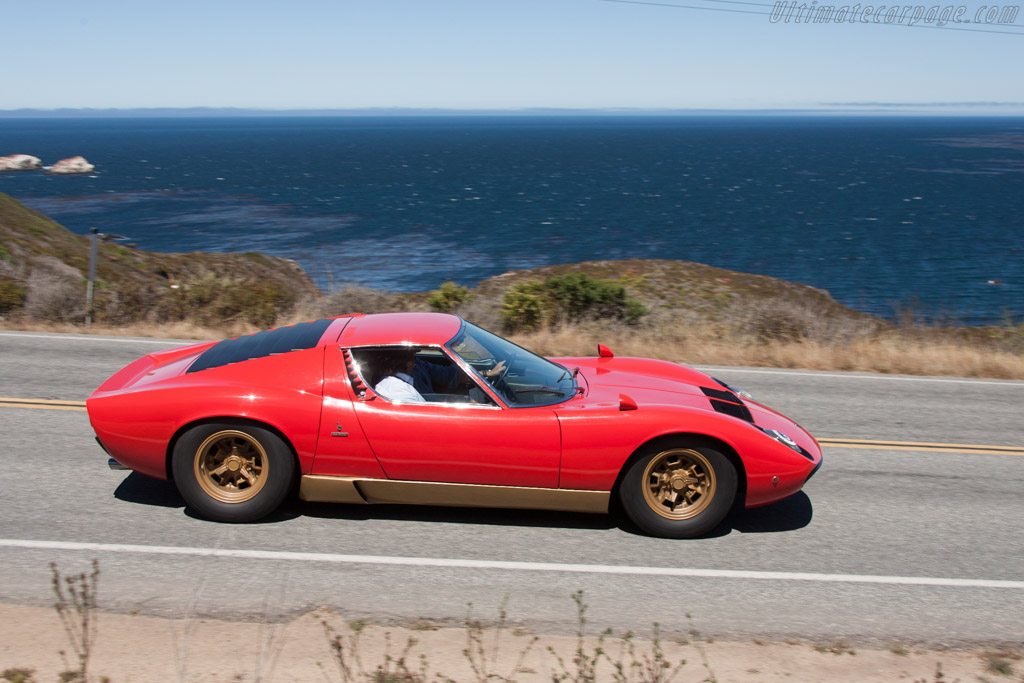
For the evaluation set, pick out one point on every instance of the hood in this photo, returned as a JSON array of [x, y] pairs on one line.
[[640, 373], [646, 381]]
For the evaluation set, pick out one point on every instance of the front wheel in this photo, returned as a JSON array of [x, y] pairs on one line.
[[233, 473], [679, 491]]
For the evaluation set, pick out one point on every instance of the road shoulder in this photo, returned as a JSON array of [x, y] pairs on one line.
[[141, 647]]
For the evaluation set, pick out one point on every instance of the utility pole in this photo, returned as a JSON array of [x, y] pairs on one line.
[[94, 238]]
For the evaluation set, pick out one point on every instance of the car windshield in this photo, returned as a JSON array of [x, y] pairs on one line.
[[519, 376]]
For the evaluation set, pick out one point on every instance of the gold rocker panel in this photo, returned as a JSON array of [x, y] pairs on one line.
[[321, 489]]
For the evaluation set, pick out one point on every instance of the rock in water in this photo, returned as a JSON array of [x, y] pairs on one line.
[[20, 162], [71, 166]]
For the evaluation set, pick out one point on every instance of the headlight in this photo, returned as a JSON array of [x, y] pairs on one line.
[[739, 392], [782, 438]]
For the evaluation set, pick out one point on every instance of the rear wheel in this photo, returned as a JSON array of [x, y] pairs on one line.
[[679, 491], [233, 473]]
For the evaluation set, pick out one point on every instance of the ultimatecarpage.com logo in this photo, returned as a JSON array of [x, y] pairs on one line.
[[910, 15]]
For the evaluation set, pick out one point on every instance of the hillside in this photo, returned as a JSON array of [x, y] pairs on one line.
[[681, 291], [675, 310], [43, 270]]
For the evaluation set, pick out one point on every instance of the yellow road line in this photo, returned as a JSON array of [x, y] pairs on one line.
[[922, 446], [44, 403]]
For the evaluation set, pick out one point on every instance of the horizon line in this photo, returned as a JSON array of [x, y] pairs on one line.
[[937, 109]]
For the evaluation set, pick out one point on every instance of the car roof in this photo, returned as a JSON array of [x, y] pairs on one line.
[[400, 328]]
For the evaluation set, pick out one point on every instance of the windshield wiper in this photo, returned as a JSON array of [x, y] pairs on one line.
[[541, 390]]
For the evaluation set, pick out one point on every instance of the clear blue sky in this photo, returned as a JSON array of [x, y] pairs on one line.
[[491, 54]]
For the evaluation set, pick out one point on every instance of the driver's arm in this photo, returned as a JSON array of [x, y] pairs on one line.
[[444, 375], [495, 371]]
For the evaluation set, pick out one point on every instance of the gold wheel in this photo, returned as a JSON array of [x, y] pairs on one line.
[[231, 466], [679, 483]]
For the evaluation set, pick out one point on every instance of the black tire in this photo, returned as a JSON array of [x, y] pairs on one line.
[[678, 490], [233, 473]]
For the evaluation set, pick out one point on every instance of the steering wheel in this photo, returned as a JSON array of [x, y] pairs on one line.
[[499, 383], [509, 362]]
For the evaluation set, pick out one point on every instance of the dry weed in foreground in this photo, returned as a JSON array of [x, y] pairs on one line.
[[649, 667], [585, 663], [345, 652], [483, 658], [1000, 661], [628, 666], [484, 647], [621, 660], [938, 678], [76, 607]]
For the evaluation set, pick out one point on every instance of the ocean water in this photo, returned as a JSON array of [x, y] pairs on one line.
[[880, 212]]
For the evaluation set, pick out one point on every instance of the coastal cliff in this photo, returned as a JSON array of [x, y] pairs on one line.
[[43, 269]]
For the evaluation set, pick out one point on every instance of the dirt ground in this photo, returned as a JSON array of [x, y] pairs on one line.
[[144, 648]]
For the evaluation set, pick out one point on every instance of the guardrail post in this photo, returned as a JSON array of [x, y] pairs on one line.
[[93, 249]]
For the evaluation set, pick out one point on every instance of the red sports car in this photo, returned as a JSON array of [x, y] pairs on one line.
[[428, 409]]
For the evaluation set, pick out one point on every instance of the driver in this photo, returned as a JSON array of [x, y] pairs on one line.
[[427, 375], [397, 383]]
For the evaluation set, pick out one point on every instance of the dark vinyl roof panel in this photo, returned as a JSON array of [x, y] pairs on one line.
[[261, 344]]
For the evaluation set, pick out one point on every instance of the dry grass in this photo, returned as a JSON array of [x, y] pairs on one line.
[[172, 330], [893, 352], [890, 352]]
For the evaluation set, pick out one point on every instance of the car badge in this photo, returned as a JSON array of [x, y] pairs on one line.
[[340, 431]]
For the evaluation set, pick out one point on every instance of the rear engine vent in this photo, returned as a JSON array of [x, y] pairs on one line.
[[727, 402]]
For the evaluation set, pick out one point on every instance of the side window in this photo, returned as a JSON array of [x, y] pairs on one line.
[[410, 374]]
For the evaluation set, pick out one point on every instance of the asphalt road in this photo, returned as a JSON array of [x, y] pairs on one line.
[[883, 545]]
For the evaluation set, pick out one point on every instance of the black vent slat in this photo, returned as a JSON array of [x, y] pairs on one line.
[[736, 410], [728, 403], [721, 394], [262, 344]]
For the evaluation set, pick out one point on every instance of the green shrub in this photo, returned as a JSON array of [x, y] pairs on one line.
[[567, 298], [522, 307], [448, 297], [12, 294], [577, 295], [633, 311]]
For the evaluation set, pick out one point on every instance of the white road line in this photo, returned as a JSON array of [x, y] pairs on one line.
[[839, 375], [123, 340], [510, 566]]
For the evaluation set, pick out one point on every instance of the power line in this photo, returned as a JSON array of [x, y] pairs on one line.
[[767, 14]]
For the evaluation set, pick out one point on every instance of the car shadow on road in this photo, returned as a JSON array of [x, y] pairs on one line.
[[138, 488], [142, 490], [790, 514]]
